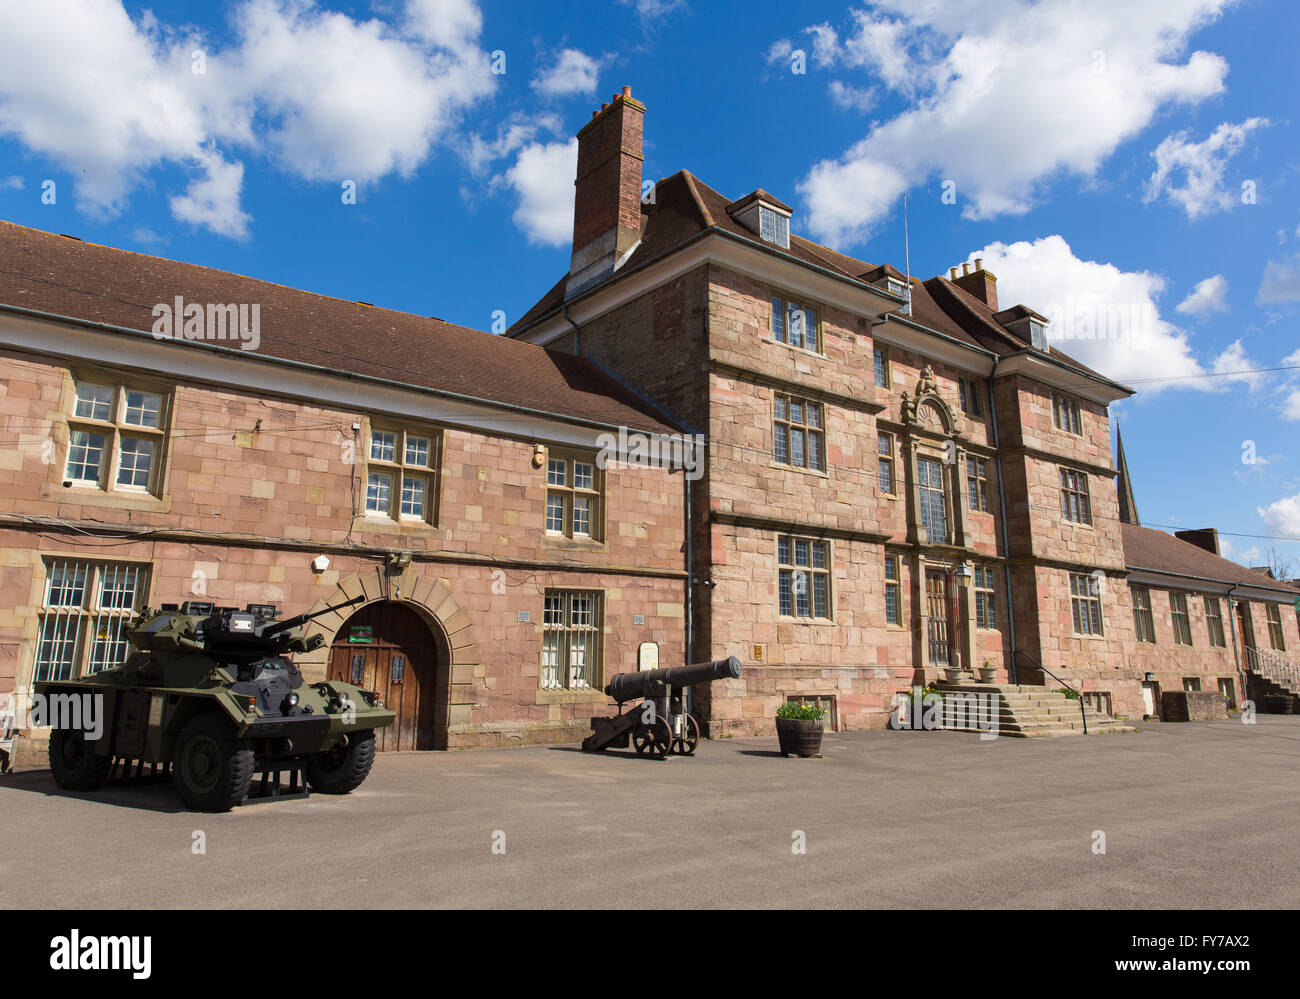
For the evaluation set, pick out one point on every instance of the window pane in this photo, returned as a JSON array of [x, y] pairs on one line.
[[583, 475], [557, 472], [383, 445], [783, 551], [67, 585], [136, 461], [379, 489], [784, 588], [778, 407], [819, 596], [782, 444], [417, 451], [815, 451], [819, 555], [878, 357], [796, 447], [801, 553], [555, 513], [582, 515], [94, 402], [142, 409], [778, 319], [796, 325], [85, 456], [413, 493], [886, 475]]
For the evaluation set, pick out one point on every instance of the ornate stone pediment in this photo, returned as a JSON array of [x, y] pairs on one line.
[[926, 408]]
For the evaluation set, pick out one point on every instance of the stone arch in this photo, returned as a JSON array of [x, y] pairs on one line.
[[433, 602], [927, 409]]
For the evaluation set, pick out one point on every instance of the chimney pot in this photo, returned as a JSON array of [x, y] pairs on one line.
[[979, 263], [627, 91], [965, 269], [604, 106], [952, 273]]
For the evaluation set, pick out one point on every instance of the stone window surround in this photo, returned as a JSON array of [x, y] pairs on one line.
[[808, 430], [598, 629], [597, 531], [828, 572], [432, 472], [107, 490], [1180, 614], [786, 297]]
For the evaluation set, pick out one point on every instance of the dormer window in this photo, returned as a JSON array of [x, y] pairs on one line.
[[773, 226], [1038, 334]]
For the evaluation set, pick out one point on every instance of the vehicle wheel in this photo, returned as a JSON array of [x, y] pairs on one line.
[[74, 763], [211, 768], [654, 740], [342, 769]]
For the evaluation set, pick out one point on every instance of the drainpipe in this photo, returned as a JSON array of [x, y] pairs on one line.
[[564, 311], [1236, 653], [1006, 541]]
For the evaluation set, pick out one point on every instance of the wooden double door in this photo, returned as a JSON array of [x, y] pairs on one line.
[[387, 648], [939, 631]]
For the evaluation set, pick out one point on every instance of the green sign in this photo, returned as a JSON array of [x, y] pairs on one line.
[[361, 634]]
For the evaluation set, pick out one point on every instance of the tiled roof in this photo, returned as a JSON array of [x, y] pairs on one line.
[[65, 277], [1147, 548]]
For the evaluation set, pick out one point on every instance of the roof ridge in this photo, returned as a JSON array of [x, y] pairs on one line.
[[691, 182], [235, 274]]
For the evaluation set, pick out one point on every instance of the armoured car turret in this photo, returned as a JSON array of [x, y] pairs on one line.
[[212, 693]]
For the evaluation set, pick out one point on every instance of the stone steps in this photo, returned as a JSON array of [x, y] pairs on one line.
[[1025, 712]]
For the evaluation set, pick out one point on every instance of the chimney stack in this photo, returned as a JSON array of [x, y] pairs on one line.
[[978, 282], [1206, 538], [607, 196]]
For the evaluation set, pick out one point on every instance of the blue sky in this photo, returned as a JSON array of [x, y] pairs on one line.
[[1095, 156]]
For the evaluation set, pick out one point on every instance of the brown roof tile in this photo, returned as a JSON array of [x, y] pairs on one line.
[[1147, 548], [84, 281]]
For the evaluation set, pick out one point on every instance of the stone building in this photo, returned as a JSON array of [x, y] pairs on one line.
[[902, 475], [312, 449]]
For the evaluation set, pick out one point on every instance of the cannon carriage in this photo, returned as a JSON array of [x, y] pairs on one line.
[[660, 724]]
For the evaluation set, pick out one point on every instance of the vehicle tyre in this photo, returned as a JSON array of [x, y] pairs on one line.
[[210, 767], [74, 763], [341, 770]]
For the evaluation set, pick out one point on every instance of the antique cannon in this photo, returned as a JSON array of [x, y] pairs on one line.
[[660, 724]]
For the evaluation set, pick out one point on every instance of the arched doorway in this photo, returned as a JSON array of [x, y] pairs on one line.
[[387, 647]]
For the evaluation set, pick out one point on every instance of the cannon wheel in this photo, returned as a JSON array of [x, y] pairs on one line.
[[654, 740], [690, 738]]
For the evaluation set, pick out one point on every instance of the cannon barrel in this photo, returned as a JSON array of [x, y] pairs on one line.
[[299, 619], [627, 686]]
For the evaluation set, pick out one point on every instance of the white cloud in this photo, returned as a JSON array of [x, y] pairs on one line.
[[110, 99], [1281, 282], [518, 131], [14, 183], [574, 72], [1201, 164], [1106, 317], [1003, 97], [852, 98], [652, 10], [1209, 295], [542, 177], [1283, 516]]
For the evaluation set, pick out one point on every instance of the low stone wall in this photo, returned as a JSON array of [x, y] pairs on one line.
[[1192, 705]]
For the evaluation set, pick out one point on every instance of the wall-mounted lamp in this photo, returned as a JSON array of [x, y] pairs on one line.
[[964, 574], [320, 563], [539, 455]]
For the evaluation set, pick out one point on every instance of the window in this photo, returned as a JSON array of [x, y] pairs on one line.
[[977, 484], [1074, 497], [1191, 683], [798, 433], [795, 324], [885, 462], [934, 511], [1038, 334], [803, 577], [1182, 621], [115, 438], [1085, 602], [400, 475], [893, 592], [571, 647], [1275, 635], [88, 608], [1065, 414], [881, 362], [574, 490], [1229, 691], [1214, 621], [1143, 622], [773, 226], [985, 595], [970, 390]]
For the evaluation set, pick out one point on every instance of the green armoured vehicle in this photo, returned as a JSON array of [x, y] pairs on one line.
[[212, 693]]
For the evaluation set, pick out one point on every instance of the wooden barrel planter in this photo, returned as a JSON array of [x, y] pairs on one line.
[[799, 737], [1280, 704]]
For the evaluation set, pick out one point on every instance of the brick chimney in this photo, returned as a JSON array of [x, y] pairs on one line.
[[607, 199], [979, 282]]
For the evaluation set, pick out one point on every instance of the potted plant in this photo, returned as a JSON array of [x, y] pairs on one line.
[[988, 672], [799, 728], [953, 674]]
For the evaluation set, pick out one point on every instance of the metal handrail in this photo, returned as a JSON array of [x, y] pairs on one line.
[[1076, 693]]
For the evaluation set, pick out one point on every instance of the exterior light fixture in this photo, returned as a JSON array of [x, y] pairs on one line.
[[320, 563], [965, 574]]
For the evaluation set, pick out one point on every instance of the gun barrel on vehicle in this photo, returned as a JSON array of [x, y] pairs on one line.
[[295, 621], [627, 686]]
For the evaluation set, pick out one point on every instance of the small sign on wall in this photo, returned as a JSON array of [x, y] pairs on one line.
[[361, 634], [647, 656], [758, 653]]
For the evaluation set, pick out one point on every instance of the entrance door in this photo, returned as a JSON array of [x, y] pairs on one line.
[[387, 648], [936, 594]]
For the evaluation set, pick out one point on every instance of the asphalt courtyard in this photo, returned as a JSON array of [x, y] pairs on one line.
[[1193, 815]]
